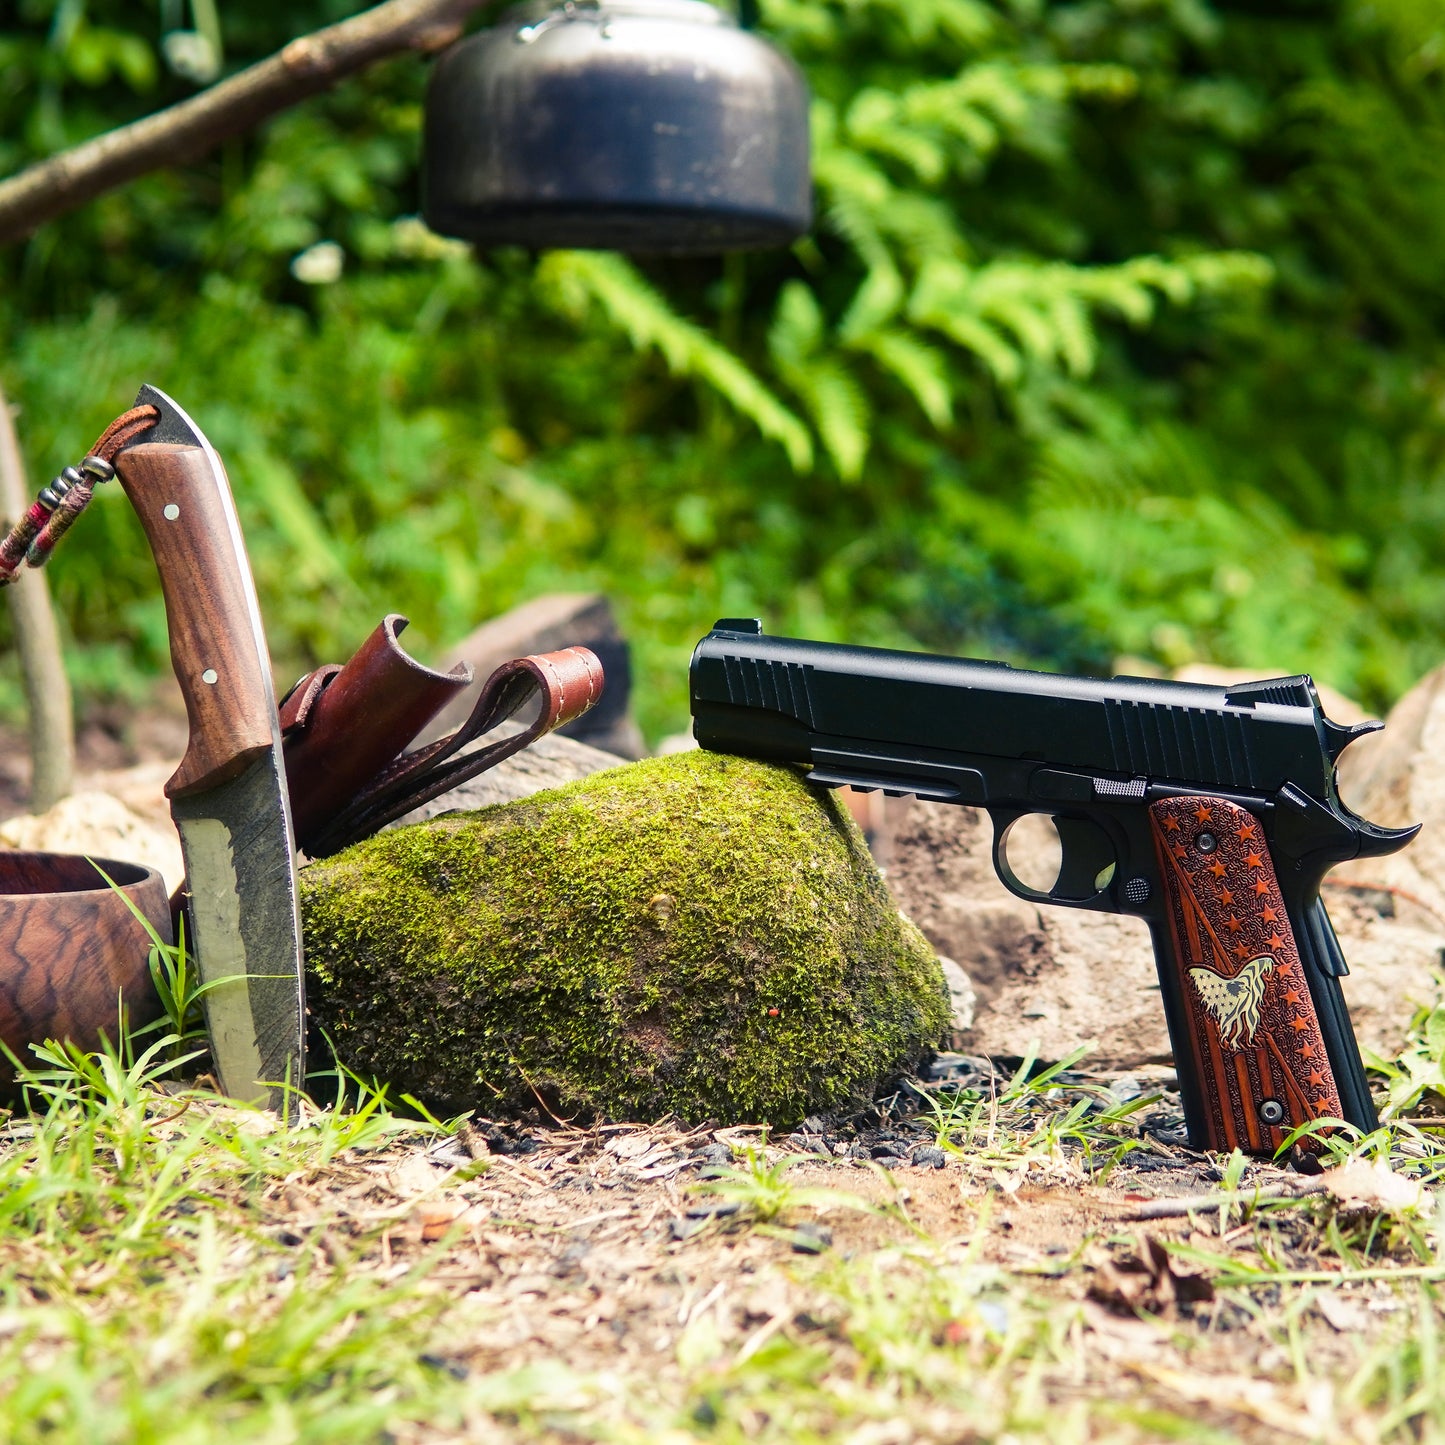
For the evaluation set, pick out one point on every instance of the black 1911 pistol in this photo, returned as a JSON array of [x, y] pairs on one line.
[[1209, 812]]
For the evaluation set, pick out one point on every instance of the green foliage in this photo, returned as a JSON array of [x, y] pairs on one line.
[[148, 1294], [764, 1193], [1115, 336], [1025, 1120], [1419, 1071]]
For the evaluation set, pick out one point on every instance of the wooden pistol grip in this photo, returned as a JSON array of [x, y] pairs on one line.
[[186, 510], [1254, 1038]]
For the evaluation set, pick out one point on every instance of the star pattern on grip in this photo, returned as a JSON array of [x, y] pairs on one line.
[[1231, 886]]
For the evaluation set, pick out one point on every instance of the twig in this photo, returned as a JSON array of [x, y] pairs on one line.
[[37, 640], [1352, 886], [185, 131], [1192, 1203]]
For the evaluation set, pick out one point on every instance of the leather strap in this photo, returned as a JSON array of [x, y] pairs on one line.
[[345, 729], [299, 704]]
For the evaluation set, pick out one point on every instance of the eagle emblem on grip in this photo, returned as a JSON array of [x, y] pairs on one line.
[[1234, 1002]]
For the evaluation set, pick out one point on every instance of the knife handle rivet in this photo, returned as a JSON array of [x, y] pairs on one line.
[[209, 675], [171, 512]]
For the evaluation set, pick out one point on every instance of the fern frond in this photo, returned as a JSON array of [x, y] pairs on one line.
[[579, 278], [1046, 308], [841, 412], [797, 328], [921, 369], [875, 302], [834, 400], [873, 122]]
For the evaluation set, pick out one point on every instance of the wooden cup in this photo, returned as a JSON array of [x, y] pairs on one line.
[[71, 953]]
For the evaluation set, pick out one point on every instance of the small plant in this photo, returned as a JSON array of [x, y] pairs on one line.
[[953, 1114], [1024, 1118], [1234, 1169], [1420, 1068], [765, 1194], [177, 985]]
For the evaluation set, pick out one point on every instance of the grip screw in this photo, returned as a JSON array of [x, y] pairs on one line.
[[1271, 1111], [1206, 842]]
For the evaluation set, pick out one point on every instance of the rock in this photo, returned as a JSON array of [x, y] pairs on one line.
[[962, 997], [549, 762], [1397, 777], [98, 825], [1056, 978], [140, 787], [698, 935]]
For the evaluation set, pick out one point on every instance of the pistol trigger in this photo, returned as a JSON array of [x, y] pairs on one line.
[[1089, 862]]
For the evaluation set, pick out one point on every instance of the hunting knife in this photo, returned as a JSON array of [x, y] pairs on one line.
[[228, 797]]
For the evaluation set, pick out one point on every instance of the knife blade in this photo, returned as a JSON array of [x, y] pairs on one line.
[[228, 797]]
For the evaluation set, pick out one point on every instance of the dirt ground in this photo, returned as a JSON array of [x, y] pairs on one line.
[[605, 1248]]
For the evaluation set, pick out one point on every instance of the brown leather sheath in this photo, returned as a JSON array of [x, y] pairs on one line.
[[343, 725], [346, 729]]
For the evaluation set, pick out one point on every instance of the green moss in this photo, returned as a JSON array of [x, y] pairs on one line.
[[698, 935]]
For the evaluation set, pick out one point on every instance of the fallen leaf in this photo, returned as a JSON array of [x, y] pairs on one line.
[[631, 1146], [1375, 1188], [1150, 1282], [1120, 1337], [436, 1216], [1346, 1315], [1255, 1399], [411, 1176]]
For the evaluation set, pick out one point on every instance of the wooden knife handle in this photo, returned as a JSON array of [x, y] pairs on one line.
[[189, 521]]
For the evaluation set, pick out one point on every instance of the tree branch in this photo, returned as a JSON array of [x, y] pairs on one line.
[[305, 67], [37, 639]]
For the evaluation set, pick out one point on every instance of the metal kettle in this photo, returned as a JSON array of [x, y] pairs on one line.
[[638, 125]]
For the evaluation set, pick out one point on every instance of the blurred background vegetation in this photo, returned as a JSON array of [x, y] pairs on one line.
[[1118, 334]]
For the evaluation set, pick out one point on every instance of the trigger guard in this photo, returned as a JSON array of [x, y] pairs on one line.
[[1087, 868]]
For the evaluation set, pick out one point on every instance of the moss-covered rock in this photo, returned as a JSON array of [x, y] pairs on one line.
[[696, 934]]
